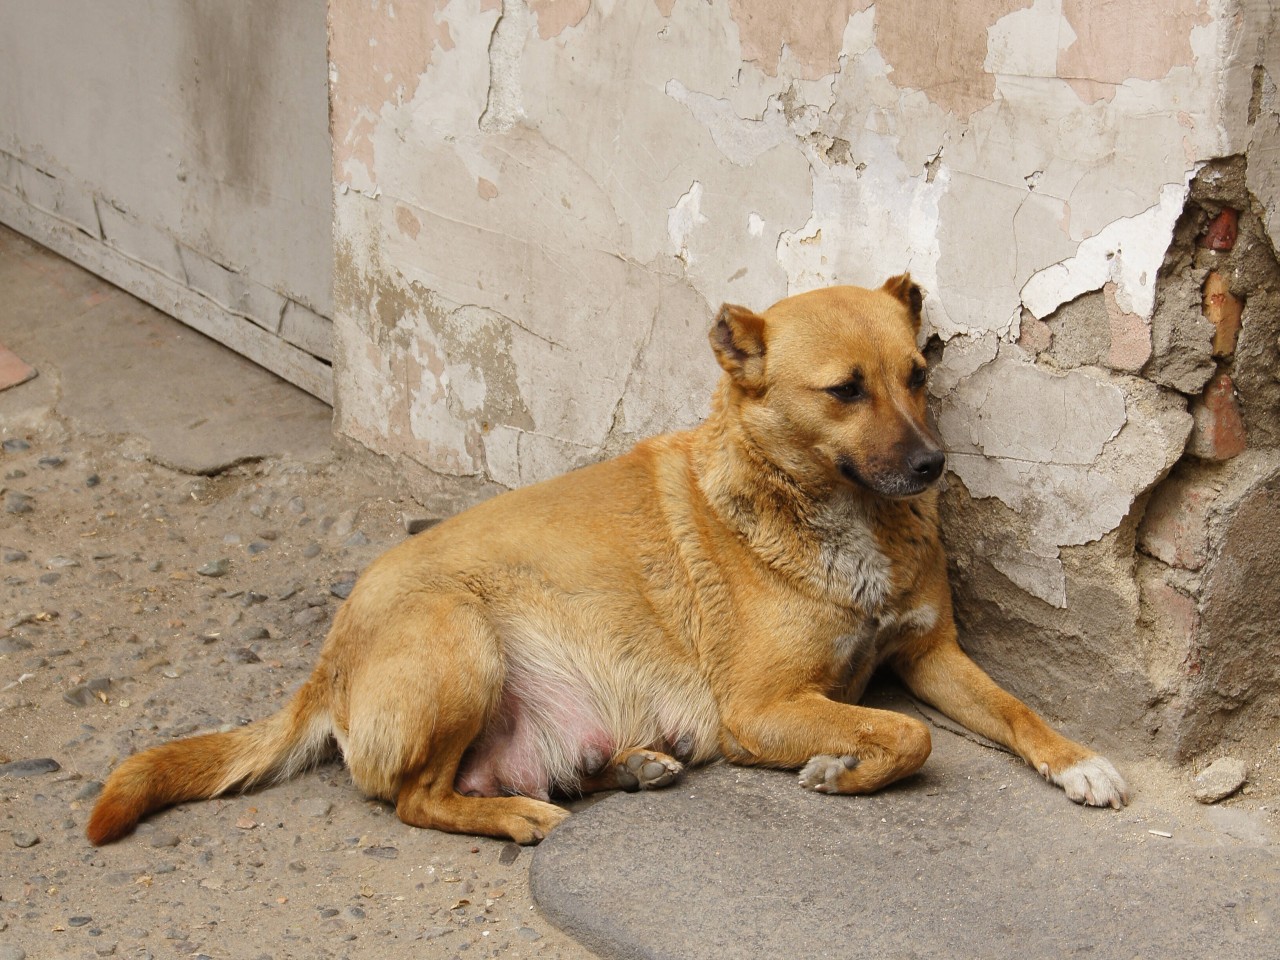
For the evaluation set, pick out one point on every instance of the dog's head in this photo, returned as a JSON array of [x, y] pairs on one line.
[[829, 384]]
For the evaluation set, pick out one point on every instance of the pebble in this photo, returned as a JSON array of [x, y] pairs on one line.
[[161, 840], [342, 588], [87, 693], [309, 616], [17, 503], [252, 634], [62, 562], [415, 525], [92, 480], [11, 953], [257, 546], [315, 807], [509, 853], [1220, 779], [311, 550], [49, 579], [296, 505], [15, 445], [50, 463], [382, 853], [23, 839], [78, 921], [14, 556], [528, 933], [357, 539], [29, 768], [216, 568], [244, 655]]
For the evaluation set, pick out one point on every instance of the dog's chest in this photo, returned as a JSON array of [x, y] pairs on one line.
[[858, 651]]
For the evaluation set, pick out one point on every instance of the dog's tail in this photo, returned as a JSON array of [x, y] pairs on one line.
[[213, 763]]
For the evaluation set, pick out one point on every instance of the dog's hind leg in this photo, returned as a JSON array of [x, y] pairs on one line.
[[427, 680], [634, 769]]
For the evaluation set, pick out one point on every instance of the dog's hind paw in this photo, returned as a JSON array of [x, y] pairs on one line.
[[1092, 781], [636, 769], [822, 773]]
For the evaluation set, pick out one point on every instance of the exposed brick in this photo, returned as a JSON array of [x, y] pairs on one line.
[[1175, 528], [1175, 615], [1223, 311], [1218, 430], [1221, 234], [1130, 347]]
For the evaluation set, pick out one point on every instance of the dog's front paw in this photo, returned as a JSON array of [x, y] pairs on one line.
[[1092, 781], [822, 773]]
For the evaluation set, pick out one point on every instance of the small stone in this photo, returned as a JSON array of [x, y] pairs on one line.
[[309, 616], [216, 568], [50, 463], [253, 634], [155, 566], [90, 790], [315, 807], [357, 539], [415, 525], [528, 933], [78, 921], [62, 562], [356, 912], [14, 556], [382, 853], [257, 546], [508, 854], [161, 840], [49, 579], [311, 550], [87, 694], [11, 953], [296, 505], [342, 588], [15, 445], [18, 503], [92, 480], [244, 655], [23, 839], [29, 768], [250, 598], [1220, 779]]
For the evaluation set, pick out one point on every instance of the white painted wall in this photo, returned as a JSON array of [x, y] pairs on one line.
[[181, 149]]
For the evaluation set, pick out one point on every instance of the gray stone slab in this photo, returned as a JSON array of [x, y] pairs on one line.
[[121, 366], [974, 857]]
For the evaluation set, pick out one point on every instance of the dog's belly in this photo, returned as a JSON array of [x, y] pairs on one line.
[[574, 696]]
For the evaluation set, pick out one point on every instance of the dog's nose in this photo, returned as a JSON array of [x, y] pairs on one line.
[[927, 464]]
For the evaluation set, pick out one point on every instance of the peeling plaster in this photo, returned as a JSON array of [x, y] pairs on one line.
[[1127, 253]]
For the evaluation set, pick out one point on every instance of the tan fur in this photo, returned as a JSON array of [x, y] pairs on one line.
[[711, 593]]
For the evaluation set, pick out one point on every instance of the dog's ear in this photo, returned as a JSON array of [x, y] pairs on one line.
[[737, 337], [905, 289]]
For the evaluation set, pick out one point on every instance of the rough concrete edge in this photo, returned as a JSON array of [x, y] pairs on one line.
[[182, 303]]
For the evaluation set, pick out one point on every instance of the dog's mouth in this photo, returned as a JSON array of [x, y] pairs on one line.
[[917, 475]]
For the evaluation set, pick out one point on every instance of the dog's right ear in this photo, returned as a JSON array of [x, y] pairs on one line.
[[737, 337]]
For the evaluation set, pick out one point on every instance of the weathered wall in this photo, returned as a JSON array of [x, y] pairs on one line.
[[181, 150], [539, 204]]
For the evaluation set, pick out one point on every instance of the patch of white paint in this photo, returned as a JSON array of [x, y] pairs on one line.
[[683, 218], [755, 224], [1128, 252]]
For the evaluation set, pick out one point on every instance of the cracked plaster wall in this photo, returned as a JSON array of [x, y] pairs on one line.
[[539, 205]]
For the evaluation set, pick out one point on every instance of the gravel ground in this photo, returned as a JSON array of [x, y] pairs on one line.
[[139, 604]]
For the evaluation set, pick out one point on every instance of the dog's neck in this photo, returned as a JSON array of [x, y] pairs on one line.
[[804, 523]]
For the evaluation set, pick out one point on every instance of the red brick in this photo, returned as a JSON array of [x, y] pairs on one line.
[[1218, 432], [1221, 234]]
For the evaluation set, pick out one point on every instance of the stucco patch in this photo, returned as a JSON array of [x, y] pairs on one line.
[[810, 30]]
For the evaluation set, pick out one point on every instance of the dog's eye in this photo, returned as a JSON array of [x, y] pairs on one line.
[[847, 392], [918, 377]]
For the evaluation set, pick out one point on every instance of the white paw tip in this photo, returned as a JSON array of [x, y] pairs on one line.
[[1093, 781]]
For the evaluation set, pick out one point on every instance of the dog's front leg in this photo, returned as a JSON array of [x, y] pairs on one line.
[[841, 748], [937, 671]]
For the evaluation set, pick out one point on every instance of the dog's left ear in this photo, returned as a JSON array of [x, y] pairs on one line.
[[737, 337], [905, 289]]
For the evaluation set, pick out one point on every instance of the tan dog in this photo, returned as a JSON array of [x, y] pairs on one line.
[[706, 595]]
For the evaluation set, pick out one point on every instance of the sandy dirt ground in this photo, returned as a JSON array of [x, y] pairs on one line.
[[141, 604]]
